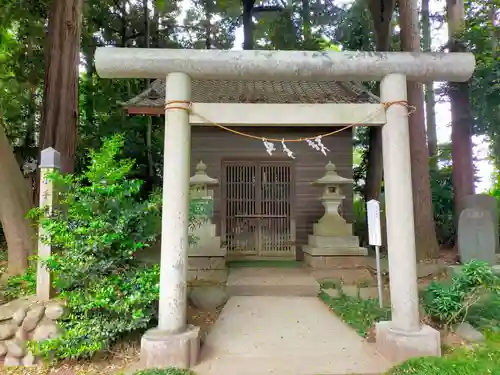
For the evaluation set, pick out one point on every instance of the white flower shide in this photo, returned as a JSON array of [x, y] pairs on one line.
[[286, 150], [269, 146]]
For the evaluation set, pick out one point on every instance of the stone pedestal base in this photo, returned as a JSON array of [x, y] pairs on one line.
[[207, 265], [322, 250], [160, 349], [330, 258], [398, 346]]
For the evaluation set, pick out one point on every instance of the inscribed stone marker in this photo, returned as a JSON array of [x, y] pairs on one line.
[[485, 202], [476, 236]]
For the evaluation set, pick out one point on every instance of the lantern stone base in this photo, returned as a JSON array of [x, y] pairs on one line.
[[207, 264], [324, 251], [161, 349], [337, 228]]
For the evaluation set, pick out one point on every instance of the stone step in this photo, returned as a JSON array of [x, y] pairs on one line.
[[273, 290], [271, 282]]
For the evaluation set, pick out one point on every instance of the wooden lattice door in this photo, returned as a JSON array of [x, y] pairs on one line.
[[257, 209]]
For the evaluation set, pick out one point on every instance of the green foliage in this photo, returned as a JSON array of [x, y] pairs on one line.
[[100, 224], [481, 36], [481, 359], [21, 285], [167, 371], [451, 302], [495, 189], [442, 200], [359, 222], [485, 315], [443, 204], [22, 39], [102, 312], [358, 313], [99, 227]]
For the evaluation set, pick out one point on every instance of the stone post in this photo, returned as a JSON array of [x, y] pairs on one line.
[[50, 160], [173, 343], [404, 336]]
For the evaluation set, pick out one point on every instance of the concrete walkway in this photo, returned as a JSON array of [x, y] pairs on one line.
[[260, 335]]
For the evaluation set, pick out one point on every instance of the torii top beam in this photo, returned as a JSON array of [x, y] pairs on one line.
[[112, 62]]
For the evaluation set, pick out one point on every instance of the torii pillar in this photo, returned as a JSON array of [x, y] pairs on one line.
[[173, 342]]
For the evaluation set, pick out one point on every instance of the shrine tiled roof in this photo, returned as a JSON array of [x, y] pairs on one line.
[[218, 91]]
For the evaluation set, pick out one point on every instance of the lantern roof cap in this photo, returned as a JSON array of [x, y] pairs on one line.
[[331, 177], [200, 176]]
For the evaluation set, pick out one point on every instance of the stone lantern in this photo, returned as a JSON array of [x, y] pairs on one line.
[[206, 257], [332, 235], [332, 223], [200, 182]]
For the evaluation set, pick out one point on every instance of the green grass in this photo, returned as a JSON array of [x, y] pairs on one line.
[[478, 360], [265, 264], [359, 314]]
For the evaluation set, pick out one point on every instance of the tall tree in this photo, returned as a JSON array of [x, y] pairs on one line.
[[21, 35], [149, 129], [60, 99], [306, 21], [430, 100], [249, 10], [425, 231], [461, 115], [482, 33], [382, 12], [14, 205]]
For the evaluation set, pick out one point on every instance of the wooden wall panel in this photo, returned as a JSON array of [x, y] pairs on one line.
[[211, 145]]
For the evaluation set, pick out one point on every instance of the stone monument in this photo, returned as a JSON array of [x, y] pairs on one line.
[[477, 235], [207, 259], [332, 235], [486, 202]]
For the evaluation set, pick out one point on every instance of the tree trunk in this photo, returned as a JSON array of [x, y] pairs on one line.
[[208, 24], [14, 205], [247, 24], [306, 21], [149, 129], [381, 12], [461, 116], [430, 100], [60, 99], [425, 231]]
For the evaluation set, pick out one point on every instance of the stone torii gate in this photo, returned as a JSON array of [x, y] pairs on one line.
[[173, 342]]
